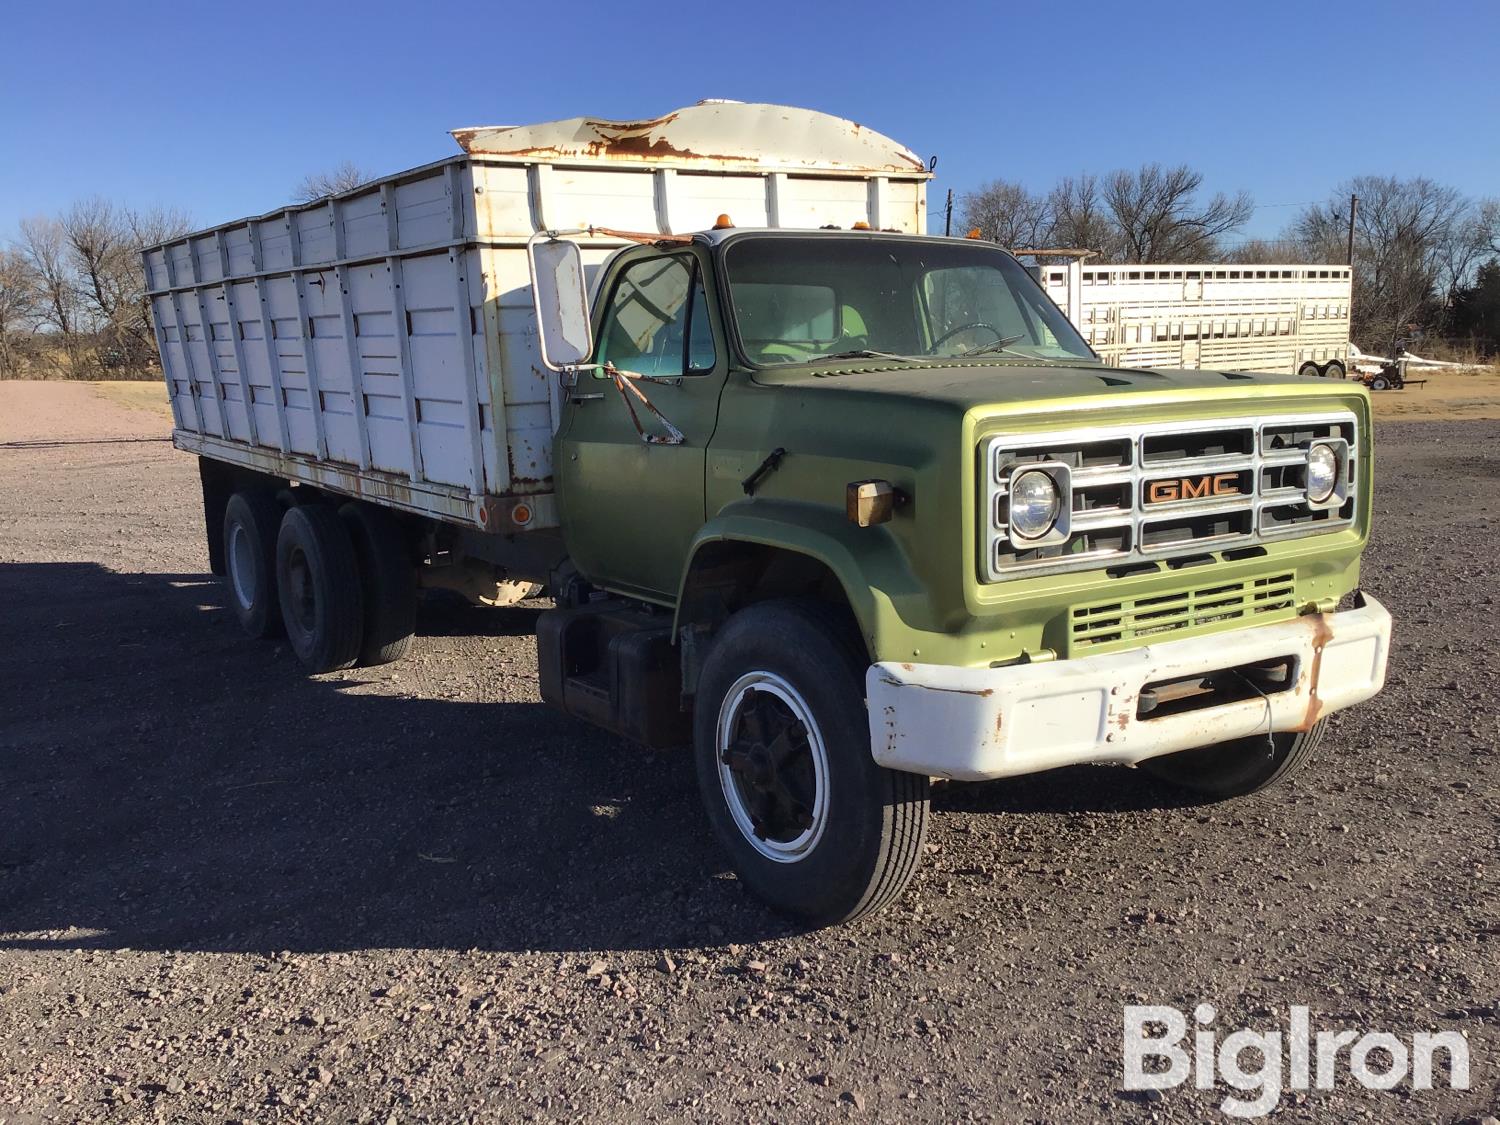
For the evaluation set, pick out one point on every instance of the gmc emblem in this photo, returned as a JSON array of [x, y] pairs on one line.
[[1192, 488]]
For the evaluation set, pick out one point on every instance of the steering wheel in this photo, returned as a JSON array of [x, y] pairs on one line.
[[952, 332]]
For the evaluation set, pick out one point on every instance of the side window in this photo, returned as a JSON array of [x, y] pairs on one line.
[[657, 323], [701, 354]]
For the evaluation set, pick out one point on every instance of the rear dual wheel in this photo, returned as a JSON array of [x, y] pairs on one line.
[[318, 583], [251, 522], [341, 583], [388, 577]]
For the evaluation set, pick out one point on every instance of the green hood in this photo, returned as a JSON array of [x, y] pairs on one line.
[[972, 383]]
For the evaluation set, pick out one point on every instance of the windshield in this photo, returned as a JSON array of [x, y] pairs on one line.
[[801, 299]]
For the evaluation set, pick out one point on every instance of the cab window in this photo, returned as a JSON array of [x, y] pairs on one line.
[[658, 322]]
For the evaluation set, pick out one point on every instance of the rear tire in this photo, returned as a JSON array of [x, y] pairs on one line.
[[251, 521], [317, 579], [388, 578], [811, 823], [1334, 370], [1309, 370], [1238, 768]]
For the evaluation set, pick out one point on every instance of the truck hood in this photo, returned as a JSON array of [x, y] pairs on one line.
[[970, 383]]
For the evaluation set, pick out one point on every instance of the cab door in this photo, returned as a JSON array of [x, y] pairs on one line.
[[630, 507]]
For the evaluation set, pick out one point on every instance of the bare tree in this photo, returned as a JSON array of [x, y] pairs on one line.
[[1259, 251], [43, 243], [143, 228], [1159, 218], [87, 286], [155, 225], [1006, 213], [18, 308], [1080, 219], [1489, 224], [345, 177], [1461, 246], [99, 244], [1401, 231], [44, 246]]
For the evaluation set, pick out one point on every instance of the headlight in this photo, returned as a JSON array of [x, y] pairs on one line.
[[1034, 504], [1322, 473]]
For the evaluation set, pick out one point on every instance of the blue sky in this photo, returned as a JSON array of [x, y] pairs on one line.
[[220, 109]]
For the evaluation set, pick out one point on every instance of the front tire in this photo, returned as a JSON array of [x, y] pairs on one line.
[[1238, 768], [1309, 370], [317, 579], [811, 823]]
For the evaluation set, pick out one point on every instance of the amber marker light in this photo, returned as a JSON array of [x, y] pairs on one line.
[[868, 502]]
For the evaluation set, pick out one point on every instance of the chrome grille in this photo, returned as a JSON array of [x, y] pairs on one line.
[[1120, 474]]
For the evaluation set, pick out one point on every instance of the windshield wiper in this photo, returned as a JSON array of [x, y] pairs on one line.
[[867, 353], [999, 345]]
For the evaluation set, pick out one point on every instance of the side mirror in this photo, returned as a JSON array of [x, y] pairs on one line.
[[561, 300]]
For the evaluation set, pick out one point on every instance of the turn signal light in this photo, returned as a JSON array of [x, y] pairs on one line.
[[868, 502]]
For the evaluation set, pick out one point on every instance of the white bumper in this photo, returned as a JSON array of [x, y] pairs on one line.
[[973, 724]]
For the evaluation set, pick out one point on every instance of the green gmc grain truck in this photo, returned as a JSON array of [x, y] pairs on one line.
[[840, 506]]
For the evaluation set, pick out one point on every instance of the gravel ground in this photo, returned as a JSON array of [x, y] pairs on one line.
[[229, 891]]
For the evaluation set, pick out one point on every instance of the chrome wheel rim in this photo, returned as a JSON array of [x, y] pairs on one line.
[[773, 767], [241, 566]]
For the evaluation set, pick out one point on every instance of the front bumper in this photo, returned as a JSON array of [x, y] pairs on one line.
[[973, 724]]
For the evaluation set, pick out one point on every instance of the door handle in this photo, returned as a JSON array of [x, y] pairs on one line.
[[586, 398]]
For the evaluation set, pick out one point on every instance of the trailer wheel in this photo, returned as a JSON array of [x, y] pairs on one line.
[[388, 578], [1309, 370], [1238, 768], [251, 520], [1334, 370], [317, 579], [811, 823]]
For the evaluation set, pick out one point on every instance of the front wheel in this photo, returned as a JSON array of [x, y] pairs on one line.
[[1237, 768], [811, 823]]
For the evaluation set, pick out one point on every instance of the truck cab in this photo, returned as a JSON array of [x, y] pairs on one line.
[[858, 509]]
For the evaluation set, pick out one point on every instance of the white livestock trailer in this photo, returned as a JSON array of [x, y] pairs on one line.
[[1285, 319]]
